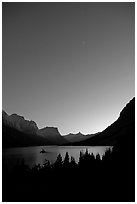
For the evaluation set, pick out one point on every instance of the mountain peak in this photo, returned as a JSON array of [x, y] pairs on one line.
[[52, 131], [79, 133]]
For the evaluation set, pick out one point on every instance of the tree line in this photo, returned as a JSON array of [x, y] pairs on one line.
[[91, 179]]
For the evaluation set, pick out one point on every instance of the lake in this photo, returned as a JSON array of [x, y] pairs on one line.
[[32, 155]]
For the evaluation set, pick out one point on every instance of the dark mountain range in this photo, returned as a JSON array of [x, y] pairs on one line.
[[20, 132], [19, 123], [77, 137], [17, 131], [122, 129], [12, 137]]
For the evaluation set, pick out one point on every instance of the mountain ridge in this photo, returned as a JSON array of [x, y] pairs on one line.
[[51, 136], [17, 130]]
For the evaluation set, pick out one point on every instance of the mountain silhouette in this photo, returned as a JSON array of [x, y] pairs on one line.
[[19, 123], [76, 137], [52, 135], [11, 137], [17, 131], [20, 132]]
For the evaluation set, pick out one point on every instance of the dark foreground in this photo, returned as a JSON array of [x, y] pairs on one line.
[[92, 179]]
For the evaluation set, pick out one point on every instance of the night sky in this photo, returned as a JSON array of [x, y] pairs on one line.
[[68, 65]]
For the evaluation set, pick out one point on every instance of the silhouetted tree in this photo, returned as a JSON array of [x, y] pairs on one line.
[[66, 160], [73, 162], [47, 165], [81, 157], [86, 153], [58, 163], [98, 157]]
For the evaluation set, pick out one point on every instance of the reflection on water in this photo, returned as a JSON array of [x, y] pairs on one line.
[[32, 155]]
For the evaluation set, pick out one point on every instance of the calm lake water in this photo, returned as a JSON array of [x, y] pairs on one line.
[[32, 155]]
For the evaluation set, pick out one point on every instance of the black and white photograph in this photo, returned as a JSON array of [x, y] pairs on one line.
[[68, 101]]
